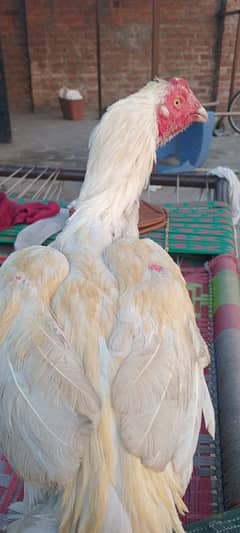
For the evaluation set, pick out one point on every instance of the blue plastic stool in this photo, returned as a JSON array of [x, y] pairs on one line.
[[191, 148]]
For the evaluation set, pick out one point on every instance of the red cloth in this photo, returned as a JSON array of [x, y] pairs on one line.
[[12, 213]]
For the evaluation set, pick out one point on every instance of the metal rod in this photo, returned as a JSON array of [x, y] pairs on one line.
[[196, 180], [236, 59], [52, 184], [187, 180], [29, 186], [218, 51], [79, 174], [53, 191], [98, 51], [211, 104], [155, 37], [27, 50], [5, 123], [59, 190], [11, 176], [226, 13], [48, 179], [16, 184], [227, 114]]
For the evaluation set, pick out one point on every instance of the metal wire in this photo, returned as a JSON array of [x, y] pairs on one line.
[[11, 176], [43, 186], [19, 180], [51, 188], [32, 182], [47, 193]]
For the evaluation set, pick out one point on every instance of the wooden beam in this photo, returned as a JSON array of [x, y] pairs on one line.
[[155, 37]]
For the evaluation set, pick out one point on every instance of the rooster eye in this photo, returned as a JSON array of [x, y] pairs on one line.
[[177, 102]]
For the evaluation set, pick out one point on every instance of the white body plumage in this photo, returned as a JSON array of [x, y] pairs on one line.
[[101, 362]]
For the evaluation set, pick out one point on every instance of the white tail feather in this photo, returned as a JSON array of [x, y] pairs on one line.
[[43, 517], [208, 411], [116, 518]]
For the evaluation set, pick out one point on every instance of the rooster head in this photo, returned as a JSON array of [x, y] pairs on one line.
[[178, 109], [123, 147]]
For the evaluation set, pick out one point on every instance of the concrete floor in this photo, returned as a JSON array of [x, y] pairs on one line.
[[49, 141]]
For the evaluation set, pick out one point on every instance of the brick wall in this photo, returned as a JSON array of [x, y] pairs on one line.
[[227, 54], [188, 41], [62, 48], [62, 44], [126, 43], [188, 37], [14, 45]]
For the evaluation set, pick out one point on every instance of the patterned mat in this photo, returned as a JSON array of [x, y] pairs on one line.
[[228, 522], [204, 496], [203, 228], [11, 489]]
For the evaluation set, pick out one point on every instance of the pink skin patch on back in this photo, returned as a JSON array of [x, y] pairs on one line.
[[155, 267]]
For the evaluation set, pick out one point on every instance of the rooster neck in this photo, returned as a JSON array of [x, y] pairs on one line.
[[120, 163], [113, 205], [122, 153], [107, 215]]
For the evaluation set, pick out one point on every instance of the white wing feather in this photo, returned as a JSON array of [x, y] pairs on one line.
[[159, 391], [48, 406]]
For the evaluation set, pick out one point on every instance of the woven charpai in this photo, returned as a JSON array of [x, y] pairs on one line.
[[204, 228], [204, 496], [11, 489], [228, 522]]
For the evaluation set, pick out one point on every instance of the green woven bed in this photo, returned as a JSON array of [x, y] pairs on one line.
[[205, 228], [228, 522]]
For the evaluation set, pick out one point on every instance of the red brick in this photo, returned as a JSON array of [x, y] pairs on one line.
[[62, 48]]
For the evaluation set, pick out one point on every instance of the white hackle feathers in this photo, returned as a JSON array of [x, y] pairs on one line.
[[122, 154]]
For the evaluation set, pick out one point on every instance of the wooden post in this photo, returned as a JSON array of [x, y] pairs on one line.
[[5, 127], [155, 36]]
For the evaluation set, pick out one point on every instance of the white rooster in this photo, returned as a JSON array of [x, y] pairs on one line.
[[101, 361]]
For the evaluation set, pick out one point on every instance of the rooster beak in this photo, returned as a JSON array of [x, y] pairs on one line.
[[201, 115]]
